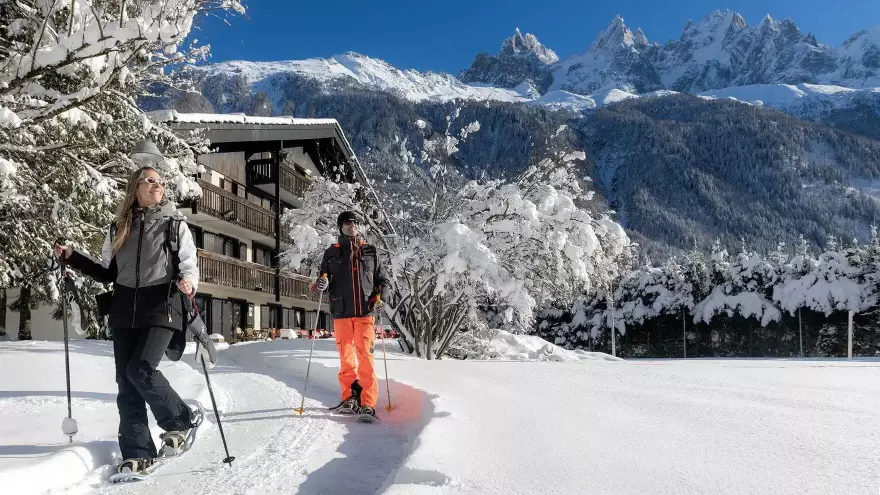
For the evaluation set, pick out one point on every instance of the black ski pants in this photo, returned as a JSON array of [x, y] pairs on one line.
[[137, 352]]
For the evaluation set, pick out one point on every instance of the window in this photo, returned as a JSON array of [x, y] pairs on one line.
[[293, 318], [242, 251], [220, 244], [264, 256], [264, 317], [270, 316]]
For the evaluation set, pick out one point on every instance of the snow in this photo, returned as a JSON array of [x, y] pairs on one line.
[[370, 72], [7, 168], [781, 95], [8, 118], [34, 407], [505, 345], [409, 84], [559, 99], [757, 426], [611, 96], [232, 118], [528, 44]]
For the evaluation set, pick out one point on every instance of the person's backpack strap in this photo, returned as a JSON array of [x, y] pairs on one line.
[[172, 242]]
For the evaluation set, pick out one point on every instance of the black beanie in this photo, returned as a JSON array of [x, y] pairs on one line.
[[344, 216]]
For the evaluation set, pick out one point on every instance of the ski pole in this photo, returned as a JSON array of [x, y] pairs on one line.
[[389, 407], [68, 425], [229, 458], [302, 403]]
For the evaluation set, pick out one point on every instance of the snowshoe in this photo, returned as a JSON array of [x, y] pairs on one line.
[[134, 470], [351, 405], [175, 443], [348, 407], [367, 415]]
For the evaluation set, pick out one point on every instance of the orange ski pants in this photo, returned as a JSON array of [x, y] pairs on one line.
[[355, 338]]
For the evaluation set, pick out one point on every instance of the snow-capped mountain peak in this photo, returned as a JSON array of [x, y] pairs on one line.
[[520, 44], [522, 60], [615, 36]]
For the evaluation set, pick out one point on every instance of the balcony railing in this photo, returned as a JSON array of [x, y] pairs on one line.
[[236, 210], [291, 181], [231, 272]]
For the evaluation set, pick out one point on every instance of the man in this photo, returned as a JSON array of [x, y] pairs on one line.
[[352, 274]]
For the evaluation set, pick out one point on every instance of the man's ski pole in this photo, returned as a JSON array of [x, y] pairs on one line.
[[68, 425], [389, 407], [302, 404], [229, 458]]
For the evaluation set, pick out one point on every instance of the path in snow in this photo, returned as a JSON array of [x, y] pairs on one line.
[[276, 449]]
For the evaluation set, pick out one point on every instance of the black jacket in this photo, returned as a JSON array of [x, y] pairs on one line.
[[143, 272], [355, 275]]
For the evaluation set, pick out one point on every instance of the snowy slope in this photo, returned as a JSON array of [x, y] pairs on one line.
[[802, 100], [584, 426], [366, 72]]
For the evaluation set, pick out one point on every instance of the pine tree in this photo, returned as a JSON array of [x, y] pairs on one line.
[[68, 118]]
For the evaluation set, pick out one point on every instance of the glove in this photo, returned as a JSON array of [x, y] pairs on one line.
[[375, 303], [322, 283], [202, 352]]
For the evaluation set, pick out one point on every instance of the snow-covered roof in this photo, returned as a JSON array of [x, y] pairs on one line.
[[233, 118]]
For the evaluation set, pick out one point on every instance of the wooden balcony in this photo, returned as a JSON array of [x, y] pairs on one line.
[[224, 205], [234, 273], [293, 184]]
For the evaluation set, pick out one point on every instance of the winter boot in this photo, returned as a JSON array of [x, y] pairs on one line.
[[177, 442], [351, 404], [367, 414], [135, 466]]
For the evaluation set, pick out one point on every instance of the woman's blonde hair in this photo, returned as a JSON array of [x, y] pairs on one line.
[[125, 211]]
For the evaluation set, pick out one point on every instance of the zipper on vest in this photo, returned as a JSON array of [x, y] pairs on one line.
[[137, 275]]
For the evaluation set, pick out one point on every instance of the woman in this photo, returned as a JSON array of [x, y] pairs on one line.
[[146, 313]]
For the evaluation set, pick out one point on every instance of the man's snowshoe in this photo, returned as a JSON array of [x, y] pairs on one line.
[[348, 407], [134, 470], [367, 415], [175, 443]]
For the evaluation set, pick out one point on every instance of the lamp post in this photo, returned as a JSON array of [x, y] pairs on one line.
[[146, 153]]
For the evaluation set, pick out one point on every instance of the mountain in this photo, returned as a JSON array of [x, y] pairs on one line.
[[352, 70], [719, 51], [614, 61], [522, 60], [683, 170]]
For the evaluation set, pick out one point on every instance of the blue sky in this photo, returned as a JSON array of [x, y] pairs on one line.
[[445, 36]]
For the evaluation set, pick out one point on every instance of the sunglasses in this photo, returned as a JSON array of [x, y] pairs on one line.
[[351, 222], [154, 181]]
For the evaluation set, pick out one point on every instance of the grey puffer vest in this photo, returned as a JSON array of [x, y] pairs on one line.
[[143, 259]]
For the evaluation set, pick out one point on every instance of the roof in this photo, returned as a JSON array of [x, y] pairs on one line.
[[238, 127], [234, 118]]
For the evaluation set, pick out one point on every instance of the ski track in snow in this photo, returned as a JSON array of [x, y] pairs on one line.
[[276, 449]]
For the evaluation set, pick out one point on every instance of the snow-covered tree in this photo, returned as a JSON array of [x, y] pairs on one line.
[[483, 247], [827, 284], [746, 292], [72, 71]]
